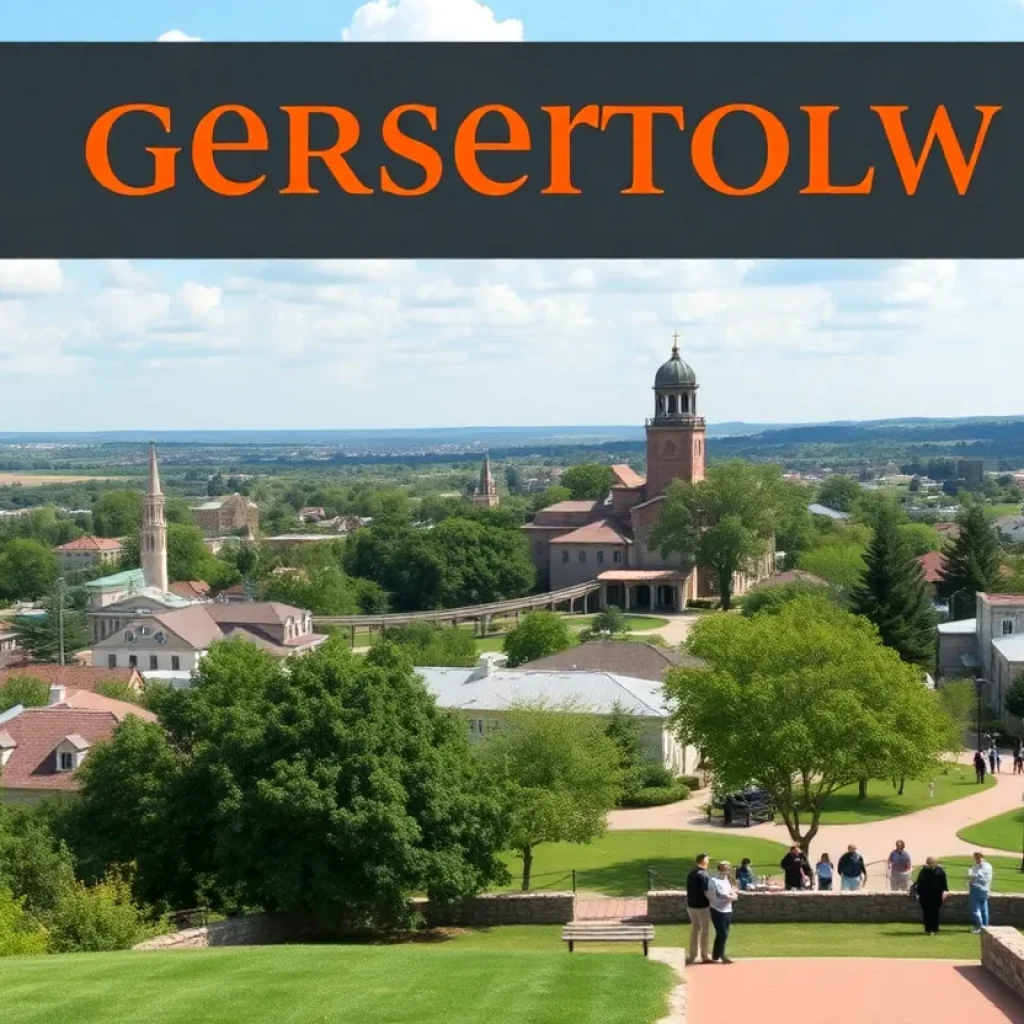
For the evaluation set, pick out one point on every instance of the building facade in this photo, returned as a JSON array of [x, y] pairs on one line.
[[86, 552], [609, 539], [229, 515]]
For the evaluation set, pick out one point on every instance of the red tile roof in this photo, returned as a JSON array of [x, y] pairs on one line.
[[604, 531], [92, 544], [84, 700], [72, 677], [1004, 599], [932, 565], [190, 589], [626, 477], [642, 576]]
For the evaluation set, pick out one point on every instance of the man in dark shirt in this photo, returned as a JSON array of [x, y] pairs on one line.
[[852, 872], [795, 867], [698, 908]]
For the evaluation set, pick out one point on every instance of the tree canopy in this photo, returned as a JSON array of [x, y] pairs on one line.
[[804, 702], [28, 570], [43, 636], [590, 481], [839, 492], [117, 513], [539, 634], [972, 562]]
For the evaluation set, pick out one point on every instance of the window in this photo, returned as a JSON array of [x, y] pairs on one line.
[[617, 556], [111, 661], [476, 726], [133, 661], [583, 556], [1007, 627], [175, 663], [67, 761], [153, 663], [565, 556], [492, 724], [600, 557]]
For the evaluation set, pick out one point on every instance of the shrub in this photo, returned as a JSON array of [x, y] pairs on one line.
[[691, 782], [655, 796], [20, 934], [654, 775], [97, 918], [701, 604]]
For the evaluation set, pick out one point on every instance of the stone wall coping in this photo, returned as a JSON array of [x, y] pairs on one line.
[[1011, 938], [511, 896], [819, 894]]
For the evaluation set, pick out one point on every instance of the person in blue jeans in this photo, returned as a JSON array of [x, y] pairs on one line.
[[979, 882]]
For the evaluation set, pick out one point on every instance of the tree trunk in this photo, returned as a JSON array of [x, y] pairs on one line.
[[903, 782], [862, 789], [725, 590], [527, 866]]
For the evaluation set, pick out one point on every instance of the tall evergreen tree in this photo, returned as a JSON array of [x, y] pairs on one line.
[[893, 594], [49, 636], [972, 562]]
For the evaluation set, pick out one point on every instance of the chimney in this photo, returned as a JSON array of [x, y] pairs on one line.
[[487, 664], [57, 695]]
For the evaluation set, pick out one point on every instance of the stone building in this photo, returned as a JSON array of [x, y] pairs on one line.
[[487, 492], [219, 516], [86, 552], [609, 539]]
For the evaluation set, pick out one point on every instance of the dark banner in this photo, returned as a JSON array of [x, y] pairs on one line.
[[511, 150]]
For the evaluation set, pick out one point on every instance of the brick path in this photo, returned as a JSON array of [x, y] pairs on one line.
[[848, 992]]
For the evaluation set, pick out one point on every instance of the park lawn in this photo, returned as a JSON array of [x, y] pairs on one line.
[[1003, 832], [436, 983], [633, 623], [882, 801], [617, 863], [1006, 873], [903, 941]]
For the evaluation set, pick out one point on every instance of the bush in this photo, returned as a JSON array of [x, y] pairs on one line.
[[655, 639], [20, 934], [97, 918], [655, 796], [702, 604], [654, 776], [691, 782]]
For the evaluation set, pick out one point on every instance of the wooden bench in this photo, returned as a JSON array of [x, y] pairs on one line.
[[608, 931]]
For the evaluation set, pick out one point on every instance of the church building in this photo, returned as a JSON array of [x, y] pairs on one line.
[[487, 493], [608, 540]]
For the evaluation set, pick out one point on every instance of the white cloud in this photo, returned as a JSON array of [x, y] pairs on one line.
[[175, 35], [124, 311], [30, 277], [434, 21], [124, 274]]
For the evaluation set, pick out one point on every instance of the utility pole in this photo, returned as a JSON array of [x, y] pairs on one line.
[[60, 618]]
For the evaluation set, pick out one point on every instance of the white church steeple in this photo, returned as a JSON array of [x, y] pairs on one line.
[[154, 529]]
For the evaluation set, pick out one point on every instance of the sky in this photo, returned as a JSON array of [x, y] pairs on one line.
[[362, 344]]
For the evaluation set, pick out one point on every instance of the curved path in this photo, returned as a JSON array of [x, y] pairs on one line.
[[930, 832], [848, 992]]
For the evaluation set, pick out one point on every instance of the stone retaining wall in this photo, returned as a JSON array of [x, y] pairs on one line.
[[836, 907], [502, 908], [254, 930], [1002, 954]]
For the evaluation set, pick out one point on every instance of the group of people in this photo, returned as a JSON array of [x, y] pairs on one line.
[[992, 761], [710, 896]]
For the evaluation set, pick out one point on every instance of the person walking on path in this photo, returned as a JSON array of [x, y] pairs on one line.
[[823, 872], [796, 869], [993, 757], [979, 882], [722, 896], [979, 766], [1018, 761], [698, 909], [852, 872], [900, 868], [931, 889]]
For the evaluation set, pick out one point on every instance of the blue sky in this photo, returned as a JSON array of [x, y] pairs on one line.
[[309, 344]]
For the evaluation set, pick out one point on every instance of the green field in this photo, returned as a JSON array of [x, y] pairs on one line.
[[410, 984], [882, 801], [1006, 873], [633, 623], [617, 863], [1003, 832]]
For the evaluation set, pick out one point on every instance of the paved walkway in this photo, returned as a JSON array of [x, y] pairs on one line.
[[931, 832], [677, 630], [848, 992]]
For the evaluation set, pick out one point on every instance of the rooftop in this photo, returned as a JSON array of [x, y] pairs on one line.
[[1003, 600], [627, 477], [604, 531], [1011, 647], [74, 677], [643, 576], [91, 544], [958, 626], [932, 565], [128, 578], [618, 657], [823, 510]]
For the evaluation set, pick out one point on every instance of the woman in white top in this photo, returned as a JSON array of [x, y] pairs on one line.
[[722, 895]]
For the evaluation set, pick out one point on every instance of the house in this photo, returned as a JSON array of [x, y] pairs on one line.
[[41, 749], [86, 552], [618, 657], [824, 512], [227, 515], [73, 677], [176, 640], [191, 590], [484, 695]]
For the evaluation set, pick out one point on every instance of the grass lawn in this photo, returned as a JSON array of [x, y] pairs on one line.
[[634, 623], [905, 941], [1006, 873], [410, 984], [1003, 832], [882, 801], [617, 863]]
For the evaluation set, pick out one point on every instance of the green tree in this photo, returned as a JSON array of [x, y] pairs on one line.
[[920, 538], [625, 730], [723, 523], [805, 702], [551, 496], [427, 644], [972, 562], [893, 595], [1014, 699], [34, 864], [588, 482], [20, 933], [188, 557], [118, 689], [838, 557], [117, 513], [537, 635], [326, 591], [959, 699], [97, 918], [28, 569], [610, 620], [840, 493], [27, 690], [561, 776], [43, 636], [769, 600]]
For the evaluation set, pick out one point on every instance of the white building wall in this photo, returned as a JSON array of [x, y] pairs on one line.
[[188, 659]]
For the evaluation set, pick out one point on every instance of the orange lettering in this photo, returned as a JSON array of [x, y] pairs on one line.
[[703, 149], [97, 152], [941, 128], [819, 180], [299, 153], [412, 149], [562, 125], [467, 146], [204, 147], [643, 144]]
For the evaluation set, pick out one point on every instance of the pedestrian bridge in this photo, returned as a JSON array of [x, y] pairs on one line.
[[578, 598]]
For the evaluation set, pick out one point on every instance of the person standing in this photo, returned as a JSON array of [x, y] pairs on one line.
[[745, 875], [979, 883], [823, 871], [795, 868], [698, 909], [900, 868], [931, 889], [993, 754], [852, 871], [979, 766], [722, 896]]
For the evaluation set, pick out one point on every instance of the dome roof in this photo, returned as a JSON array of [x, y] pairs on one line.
[[675, 373]]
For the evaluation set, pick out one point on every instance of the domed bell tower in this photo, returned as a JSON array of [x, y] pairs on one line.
[[675, 436]]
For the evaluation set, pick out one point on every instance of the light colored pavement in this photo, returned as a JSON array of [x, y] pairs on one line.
[[848, 992], [677, 630], [931, 832]]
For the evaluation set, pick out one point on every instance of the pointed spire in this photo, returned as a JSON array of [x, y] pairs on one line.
[[153, 488], [486, 480], [675, 344]]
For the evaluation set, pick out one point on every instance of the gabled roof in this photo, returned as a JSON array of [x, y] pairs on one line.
[[91, 544], [77, 741], [190, 589], [603, 531], [72, 677], [85, 700], [627, 477], [932, 563], [570, 506]]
